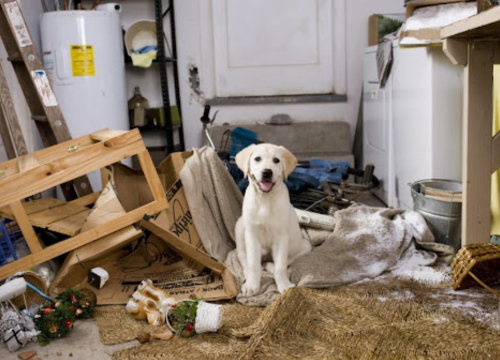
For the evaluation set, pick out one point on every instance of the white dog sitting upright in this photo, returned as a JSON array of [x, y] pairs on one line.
[[268, 229]]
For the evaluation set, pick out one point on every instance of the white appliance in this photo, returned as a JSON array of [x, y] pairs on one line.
[[83, 58], [413, 127]]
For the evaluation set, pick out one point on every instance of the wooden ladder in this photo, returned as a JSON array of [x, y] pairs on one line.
[[37, 90]]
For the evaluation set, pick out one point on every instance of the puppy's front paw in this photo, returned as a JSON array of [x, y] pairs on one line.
[[284, 285], [250, 288]]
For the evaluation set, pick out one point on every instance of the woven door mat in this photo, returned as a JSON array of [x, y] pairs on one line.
[[383, 319]]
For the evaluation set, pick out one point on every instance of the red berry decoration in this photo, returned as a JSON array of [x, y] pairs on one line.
[[69, 323], [189, 326], [73, 298], [78, 312], [48, 310]]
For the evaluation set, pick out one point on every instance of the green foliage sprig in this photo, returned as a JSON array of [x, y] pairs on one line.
[[183, 316]]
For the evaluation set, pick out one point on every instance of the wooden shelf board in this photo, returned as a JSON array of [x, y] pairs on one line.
[[485, 24]]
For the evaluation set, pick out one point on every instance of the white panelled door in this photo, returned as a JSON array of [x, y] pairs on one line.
[[273, 47]]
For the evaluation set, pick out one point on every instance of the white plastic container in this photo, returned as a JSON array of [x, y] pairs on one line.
[[83, 58]]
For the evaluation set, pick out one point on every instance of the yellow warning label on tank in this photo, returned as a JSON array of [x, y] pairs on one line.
[[82, 60]]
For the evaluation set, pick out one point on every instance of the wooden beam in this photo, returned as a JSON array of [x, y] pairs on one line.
[[46, 155], [495, 153], [106, 134], [10, 116], [456, 51], [87, 199], [6, 139], [68, 167], [180, 245], [81, 239], [26, 227], [151, 175], [477, 144], [481, 25], [27, 162]]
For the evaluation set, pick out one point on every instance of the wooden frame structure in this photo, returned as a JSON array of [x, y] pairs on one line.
[[475, 44], [44, 169]]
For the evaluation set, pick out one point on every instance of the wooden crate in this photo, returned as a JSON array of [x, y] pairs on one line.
[[44, 169]]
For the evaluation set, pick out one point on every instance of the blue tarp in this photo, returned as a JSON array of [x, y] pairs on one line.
[[304, 178]]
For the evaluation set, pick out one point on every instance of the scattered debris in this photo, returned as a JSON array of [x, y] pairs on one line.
[[26, 355], [144, 338], [167, 335]]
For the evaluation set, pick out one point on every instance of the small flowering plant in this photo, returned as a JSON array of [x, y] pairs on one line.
[[78, 302], [53, 322], [56, 320], [182, 317]]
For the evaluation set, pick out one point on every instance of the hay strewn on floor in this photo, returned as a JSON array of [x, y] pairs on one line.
[[383, 319]]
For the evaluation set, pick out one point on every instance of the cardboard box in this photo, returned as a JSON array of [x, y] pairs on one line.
[[413, 4], [175, 261], [429, 36]]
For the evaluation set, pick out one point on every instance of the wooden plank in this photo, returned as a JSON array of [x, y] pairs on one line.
[[442, 193], [151, 175], [82, 239], [456, 51], [66, 168], [26, 227], [6, 139], [106, 134], [87, 199], [477, 144], [32, 62], [481, 25], [180, 245], [71, 225], [27, 162], [10, 116], [495, 153], [46, 217], [444, 198], [54, 214], [31, 207], [49, 154], [55, 129]]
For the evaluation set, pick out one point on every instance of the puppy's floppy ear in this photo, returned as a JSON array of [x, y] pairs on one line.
[[243, 159], [289, 162]]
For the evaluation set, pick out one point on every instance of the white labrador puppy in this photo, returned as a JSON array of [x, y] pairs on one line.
[[268, 229]]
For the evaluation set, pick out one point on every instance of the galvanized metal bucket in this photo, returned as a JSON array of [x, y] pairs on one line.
[[444, 218]]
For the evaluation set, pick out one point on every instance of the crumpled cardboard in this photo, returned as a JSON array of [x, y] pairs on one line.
[[175, 261], [78, 263]]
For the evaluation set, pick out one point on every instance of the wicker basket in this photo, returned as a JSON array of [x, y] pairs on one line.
[[476, 264], [31, 295]]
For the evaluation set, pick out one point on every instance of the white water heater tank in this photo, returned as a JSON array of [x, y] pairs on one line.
[[83, 58]]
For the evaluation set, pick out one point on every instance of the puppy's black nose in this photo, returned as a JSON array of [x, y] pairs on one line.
[[267, 174]]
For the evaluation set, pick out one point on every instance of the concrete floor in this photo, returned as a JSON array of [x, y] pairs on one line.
[[83, 343]]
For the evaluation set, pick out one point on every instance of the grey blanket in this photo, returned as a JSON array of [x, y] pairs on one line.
[[214, 201], [365, 243]]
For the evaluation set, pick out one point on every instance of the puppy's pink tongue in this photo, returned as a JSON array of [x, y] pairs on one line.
[[266, 186]]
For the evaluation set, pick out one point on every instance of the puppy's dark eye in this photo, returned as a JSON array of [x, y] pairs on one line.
[[276, 160], [257, 159]]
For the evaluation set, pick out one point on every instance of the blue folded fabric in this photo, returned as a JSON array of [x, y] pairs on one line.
[[240, 139], [304, 178], [145, 49], [331, 171]]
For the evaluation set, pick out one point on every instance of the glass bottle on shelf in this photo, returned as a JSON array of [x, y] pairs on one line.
[[138, 106]]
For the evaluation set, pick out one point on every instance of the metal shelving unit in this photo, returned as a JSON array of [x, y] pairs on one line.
[[163, 61]]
